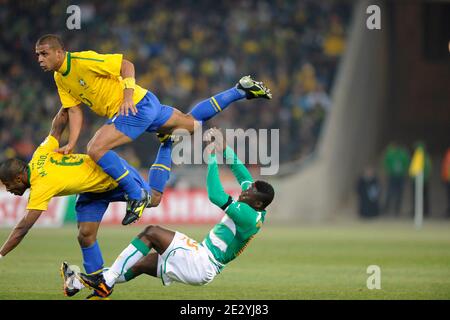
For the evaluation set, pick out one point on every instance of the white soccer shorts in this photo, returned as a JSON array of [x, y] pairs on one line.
[[186, 261]]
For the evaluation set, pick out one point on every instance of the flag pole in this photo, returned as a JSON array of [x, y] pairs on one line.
[[418, 203]]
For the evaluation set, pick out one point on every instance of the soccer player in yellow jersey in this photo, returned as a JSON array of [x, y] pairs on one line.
[[106, 84], [50, 174]]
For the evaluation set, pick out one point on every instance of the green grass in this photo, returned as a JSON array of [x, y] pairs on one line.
[[302, 262]]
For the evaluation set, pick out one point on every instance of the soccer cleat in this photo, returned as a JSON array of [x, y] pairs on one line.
[[253, 89], [68, 275], [95, 296], [96, 282], [135, 208], [163, 137]]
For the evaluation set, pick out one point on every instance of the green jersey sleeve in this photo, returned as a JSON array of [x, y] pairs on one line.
[[239, 170], [216, 194]]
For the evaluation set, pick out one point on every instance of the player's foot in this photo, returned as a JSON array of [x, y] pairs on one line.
[[95, 296], [68, 276], [253, 89], [96, 282], [135, 208]]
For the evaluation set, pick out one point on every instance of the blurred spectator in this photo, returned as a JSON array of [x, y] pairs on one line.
[[183, 51], [395, 163], [445, 173], [369, 190], [421, 161]]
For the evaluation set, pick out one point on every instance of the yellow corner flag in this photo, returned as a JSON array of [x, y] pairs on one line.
[[417, 162]]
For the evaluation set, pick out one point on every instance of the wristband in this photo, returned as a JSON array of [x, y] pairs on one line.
[[129, 83]]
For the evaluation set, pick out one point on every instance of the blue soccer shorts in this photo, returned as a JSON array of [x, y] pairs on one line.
[[150, 116]]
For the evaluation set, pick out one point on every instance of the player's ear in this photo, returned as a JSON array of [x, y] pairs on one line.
[[259, 204], [18, 179]]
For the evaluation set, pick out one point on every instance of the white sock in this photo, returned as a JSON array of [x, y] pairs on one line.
[[127, 258]]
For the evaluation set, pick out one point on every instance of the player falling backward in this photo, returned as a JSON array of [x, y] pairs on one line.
[[106, 84], [50, 174], [180, 258]]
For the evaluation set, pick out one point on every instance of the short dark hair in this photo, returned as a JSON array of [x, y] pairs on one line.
[[265, 192], [53, 40], [11, 168]]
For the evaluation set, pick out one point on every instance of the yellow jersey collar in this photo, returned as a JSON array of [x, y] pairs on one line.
[[65, 67]]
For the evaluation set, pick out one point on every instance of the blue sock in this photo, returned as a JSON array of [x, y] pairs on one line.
[[92, 258], [207, 109], [111, 164], [159, 172]]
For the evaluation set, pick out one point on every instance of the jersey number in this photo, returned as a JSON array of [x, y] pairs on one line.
[[67, 161]]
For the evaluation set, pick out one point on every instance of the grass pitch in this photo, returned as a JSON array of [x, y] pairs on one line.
[[302, 262]]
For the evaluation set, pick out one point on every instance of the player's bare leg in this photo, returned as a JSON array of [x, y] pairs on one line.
[[106, 138], [157, 238], [179, 120]]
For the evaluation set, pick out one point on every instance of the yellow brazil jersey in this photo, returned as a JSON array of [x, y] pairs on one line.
[[93, 79], [53, 174]]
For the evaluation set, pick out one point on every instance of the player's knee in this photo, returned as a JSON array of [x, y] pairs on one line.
[[149, 233], [188, 122], [86, 238], [95, 151]]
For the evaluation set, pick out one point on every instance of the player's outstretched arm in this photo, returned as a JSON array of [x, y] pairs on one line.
[[20, 230], [239, 170], [75, 115], [216, 194]]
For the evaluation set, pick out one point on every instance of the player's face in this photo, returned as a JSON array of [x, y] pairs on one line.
[[49, 59], [247, 195], [16, 187]]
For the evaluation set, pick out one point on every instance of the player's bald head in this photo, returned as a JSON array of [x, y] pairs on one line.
[[52, 40]]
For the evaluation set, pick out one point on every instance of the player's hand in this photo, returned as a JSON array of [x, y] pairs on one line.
[[216, 136], [67, 149], [127, 106]]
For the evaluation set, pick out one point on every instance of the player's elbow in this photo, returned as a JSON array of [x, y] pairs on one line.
[[215, 199], [126, 67]]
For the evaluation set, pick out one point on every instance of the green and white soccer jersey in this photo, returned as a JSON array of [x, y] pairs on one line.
[[241, 222], [230, 237]]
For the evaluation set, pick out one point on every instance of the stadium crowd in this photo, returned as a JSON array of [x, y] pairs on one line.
[[183, 52]]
